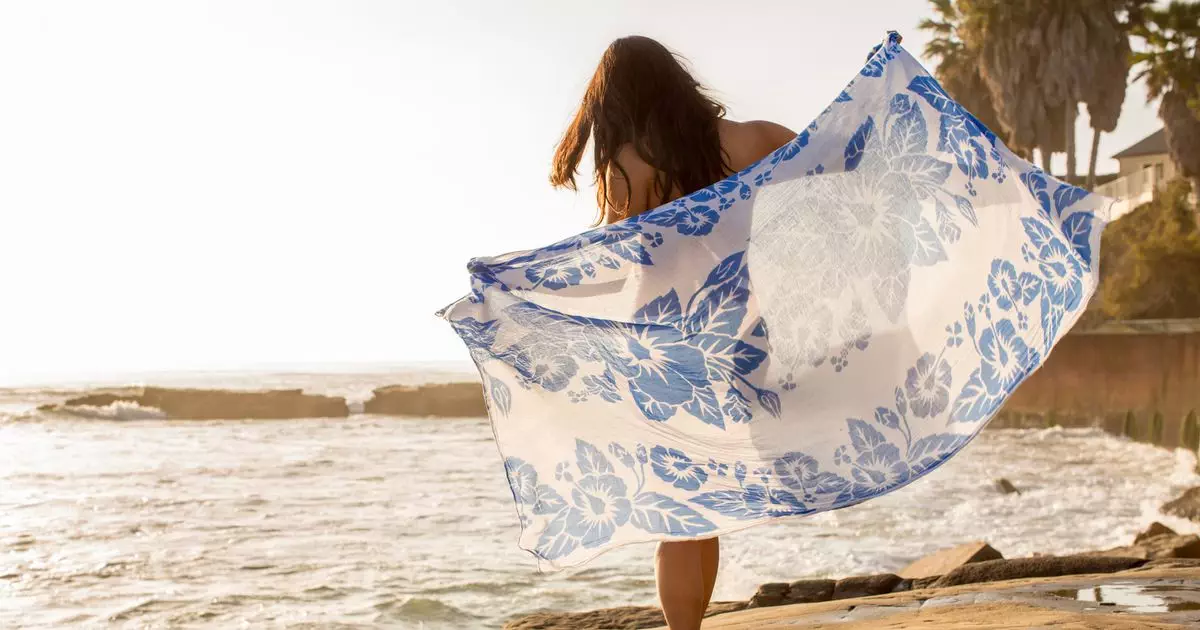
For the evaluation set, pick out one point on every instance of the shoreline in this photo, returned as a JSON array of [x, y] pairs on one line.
[[970, 582]]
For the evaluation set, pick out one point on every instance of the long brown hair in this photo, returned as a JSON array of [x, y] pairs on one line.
[[642, 95]]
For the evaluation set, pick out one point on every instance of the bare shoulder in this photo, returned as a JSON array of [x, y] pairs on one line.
[[774, 135], [746, 142]]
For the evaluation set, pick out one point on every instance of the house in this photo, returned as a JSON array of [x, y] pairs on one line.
[[1149, 153], [1145, 168]]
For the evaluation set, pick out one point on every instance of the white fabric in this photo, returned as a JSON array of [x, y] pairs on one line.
[[821, 328]]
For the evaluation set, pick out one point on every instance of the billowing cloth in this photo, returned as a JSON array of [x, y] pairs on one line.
[[826, 326]]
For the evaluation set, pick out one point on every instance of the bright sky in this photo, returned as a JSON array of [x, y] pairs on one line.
[[203, 185]]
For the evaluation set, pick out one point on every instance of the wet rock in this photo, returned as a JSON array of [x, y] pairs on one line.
[[1171, 546], [463, 400], [1161, 546], [220, 404], [925, 582], [865, 585], [1170, 563], [808, 591], [622, 618], [1186, 506], [1155, 529], [1044, 566], [769, 594], [946, 560], [1006, 487]]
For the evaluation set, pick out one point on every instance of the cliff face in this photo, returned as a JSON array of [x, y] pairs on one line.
[[218, 404], [463, 400]]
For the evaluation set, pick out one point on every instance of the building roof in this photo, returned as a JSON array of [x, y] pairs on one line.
[[1152, 144]]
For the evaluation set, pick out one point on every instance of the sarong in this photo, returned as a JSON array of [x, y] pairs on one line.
[[825, 326]]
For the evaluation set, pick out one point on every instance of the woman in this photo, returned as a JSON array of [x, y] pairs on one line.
[[658, 136]]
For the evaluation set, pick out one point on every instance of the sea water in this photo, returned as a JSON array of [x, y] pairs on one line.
[[129, 520]]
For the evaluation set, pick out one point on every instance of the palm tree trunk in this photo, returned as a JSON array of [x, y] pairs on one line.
[[1045, 159], [1091, 180], [1072, 109]]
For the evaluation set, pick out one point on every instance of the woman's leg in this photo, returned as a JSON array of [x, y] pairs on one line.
[[711, 560], [686, 572]]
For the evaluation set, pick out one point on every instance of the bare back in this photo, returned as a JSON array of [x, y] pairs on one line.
[[742, 144]]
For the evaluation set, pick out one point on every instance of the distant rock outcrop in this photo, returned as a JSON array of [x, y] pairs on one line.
[[215, 404], [1186, 506], [1158, 541], [462, 400]]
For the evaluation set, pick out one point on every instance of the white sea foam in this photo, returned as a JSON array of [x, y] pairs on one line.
[[119, 410]]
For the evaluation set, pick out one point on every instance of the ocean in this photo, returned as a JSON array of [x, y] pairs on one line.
[[125, 519]]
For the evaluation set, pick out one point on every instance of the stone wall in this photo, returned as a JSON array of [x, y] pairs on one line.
[[1140, 379]]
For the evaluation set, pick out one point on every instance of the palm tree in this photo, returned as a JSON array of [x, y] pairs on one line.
[[1010, 44], [1101, 73], [958, 68], [1170, 64], [1041, 59]]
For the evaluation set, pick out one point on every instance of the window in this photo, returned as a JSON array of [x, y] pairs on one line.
[[1158, 172]]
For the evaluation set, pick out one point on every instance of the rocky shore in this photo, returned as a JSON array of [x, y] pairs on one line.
[[1023, 592], [460, 400], [209, 404]]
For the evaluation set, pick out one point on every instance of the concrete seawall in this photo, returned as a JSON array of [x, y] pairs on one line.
[[1136, 378]]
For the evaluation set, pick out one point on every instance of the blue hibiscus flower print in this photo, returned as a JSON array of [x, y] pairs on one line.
[[554, 276], [1006, 357], [878, 470], [663, 370], [672, 466], [1010, 288], [553, 372], [696, 221], [522, 478], [928, 386], [1062, 273], [599, 506]]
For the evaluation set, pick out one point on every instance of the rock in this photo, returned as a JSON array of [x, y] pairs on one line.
[[1044, 566], [1006, 487], [1161, 546], [903, 585], [865, 585], [102, 399], [924, 582], [946, 560], [808, 591], [1171, 546], [219, 404], [1155, 529], [1186, 506], [1170, 563], [769, 594], [464, 400], [624, 617]]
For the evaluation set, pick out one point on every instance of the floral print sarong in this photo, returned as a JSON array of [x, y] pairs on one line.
[[826, 326]]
